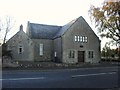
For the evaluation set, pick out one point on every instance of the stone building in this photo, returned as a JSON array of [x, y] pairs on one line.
[[72, 43]]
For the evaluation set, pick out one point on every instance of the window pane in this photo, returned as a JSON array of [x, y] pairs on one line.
[[81, 38], [41, 49], [55, 54], [20, 49], [78, 38], [70, 54], [75, 38], [73, 54], [85, 39], [90, 54]]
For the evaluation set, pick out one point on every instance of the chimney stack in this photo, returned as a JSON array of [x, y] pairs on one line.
[[21, 27]]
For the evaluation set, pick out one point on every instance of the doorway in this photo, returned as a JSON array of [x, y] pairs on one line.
[[81, 56]]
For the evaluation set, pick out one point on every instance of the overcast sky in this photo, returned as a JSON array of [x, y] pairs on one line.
[[51, 12]]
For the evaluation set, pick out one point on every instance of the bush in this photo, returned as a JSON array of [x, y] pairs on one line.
[[5, 52], [110, 59]]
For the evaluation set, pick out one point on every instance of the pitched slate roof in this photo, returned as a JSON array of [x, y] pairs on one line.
[[65, 28], [41, 31]]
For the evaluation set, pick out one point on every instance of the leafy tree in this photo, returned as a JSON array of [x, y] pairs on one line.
[[107, 20], [108, 53]]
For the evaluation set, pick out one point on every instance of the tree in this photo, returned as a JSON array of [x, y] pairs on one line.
[[108, 52], [5, 26], [6, 52], [107, 20]]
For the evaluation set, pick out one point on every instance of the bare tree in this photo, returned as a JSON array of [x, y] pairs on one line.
[[6, 24]]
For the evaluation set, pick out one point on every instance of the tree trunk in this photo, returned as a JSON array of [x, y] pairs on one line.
[[4, 40]]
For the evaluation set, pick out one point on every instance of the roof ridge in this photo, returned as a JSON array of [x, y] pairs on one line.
[[54, 31], [45, 24], [66, 27]]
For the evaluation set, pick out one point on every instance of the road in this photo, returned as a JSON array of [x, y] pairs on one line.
[[99, 77]]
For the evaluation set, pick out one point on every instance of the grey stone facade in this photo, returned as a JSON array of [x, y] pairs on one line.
[[47, 49], [21, 40], [72, 43], [81, 28]]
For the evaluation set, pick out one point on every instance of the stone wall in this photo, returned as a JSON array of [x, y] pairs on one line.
[[21, 39], [81, 28], [58, 49], [47, 49]]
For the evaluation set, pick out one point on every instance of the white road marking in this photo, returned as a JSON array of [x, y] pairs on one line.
[[23, 78], [92, 74], [96, 68]]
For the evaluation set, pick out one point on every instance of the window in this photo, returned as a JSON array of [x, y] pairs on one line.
[[41, 49], [86, 39], [83, 39], [90, 54], [71, 54], [75, 38], [78, 38], [20, 49], [55, 54]]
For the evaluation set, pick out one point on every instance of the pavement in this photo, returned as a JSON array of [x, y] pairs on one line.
[[94, 77]]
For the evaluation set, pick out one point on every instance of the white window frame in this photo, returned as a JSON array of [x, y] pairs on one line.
[[90, 54], [75, 38], [41, 49], [81, 38], [78, 38], [86, 39]]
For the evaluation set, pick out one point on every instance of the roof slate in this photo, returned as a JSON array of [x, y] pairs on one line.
[[42, 31], [65, 28]]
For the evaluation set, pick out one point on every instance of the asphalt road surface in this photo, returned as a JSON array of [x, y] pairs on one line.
[[99, 77]]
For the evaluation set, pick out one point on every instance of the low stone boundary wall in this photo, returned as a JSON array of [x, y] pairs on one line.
[[53, 65]]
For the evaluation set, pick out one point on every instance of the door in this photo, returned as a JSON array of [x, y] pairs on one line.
[[81, 56]]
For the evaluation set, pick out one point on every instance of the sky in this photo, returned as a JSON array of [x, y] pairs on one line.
[[51, 12]]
